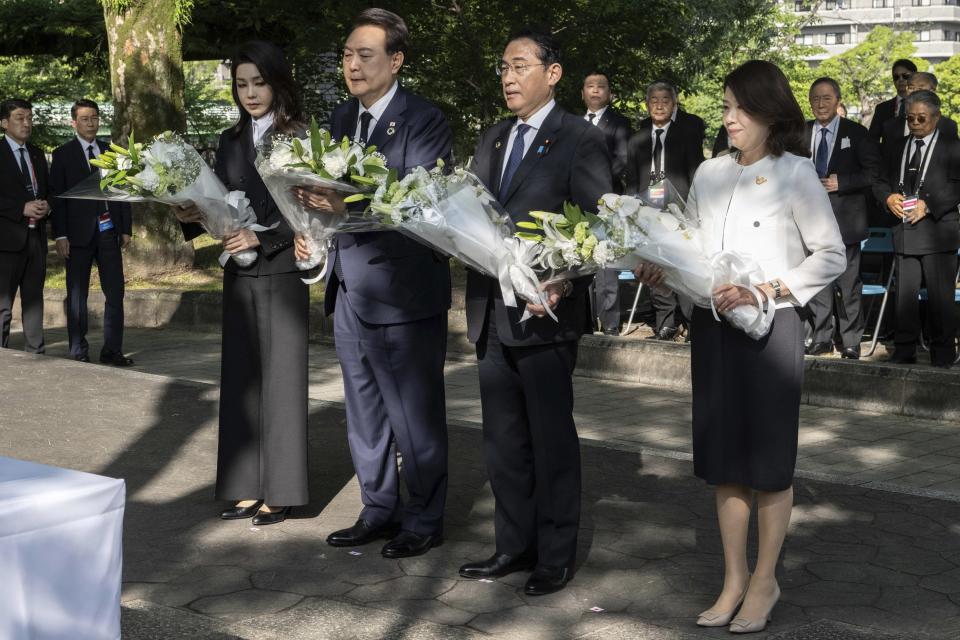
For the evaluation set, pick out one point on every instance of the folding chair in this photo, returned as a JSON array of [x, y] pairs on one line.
[[628, 275], [879, 241]]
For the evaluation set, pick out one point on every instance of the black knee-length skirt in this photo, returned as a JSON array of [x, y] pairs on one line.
[[746, 401]]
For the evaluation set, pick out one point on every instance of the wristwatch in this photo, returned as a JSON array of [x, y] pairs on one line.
[[776, 289]]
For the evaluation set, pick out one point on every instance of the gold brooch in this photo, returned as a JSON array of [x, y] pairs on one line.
[[761, 179]]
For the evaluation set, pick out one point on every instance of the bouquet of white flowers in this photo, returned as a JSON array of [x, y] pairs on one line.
[[456, 215], [632, 231], [320, 161], [170, 171]]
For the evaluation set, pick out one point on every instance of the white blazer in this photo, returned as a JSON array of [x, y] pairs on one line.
[[775, 211]]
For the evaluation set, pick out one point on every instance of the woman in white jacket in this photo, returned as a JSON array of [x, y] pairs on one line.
[[766, 201]]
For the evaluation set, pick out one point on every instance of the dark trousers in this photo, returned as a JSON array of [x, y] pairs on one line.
[[24, 270], [530, 446], [105, 251], [262, 452], [938, 271], [606, 298], [667, 304], [393, 387], [829, 318]]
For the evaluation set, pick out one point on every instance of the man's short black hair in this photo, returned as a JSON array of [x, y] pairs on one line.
[[825, 80], [906, 64], [9, 106], [398, 36], [597, 72], [548, 49], [83, 103]]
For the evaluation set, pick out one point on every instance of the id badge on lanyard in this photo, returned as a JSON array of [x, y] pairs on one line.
[[911, 200], [104, 222], [657, 192]]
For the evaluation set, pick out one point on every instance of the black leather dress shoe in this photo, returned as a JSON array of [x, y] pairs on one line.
[[239, 513], [82, 358], [361, 533], [666, 334], [819, 349], [497, 566], [270, 517], [408, 544], [115, 358], [902, 357], [547, 580], [850, 353]]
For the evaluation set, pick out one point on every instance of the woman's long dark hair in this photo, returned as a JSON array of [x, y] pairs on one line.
[[287, 109], [764, 93]]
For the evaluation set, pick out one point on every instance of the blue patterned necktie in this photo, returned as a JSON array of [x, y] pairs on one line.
[[513, 162], [823, 154]]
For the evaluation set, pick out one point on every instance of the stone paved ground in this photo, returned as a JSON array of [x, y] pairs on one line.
[[859, 562]]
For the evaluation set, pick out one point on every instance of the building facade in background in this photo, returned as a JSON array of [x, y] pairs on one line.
[[842, 24]]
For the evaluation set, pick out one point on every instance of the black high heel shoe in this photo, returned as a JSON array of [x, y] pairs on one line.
[[239, 513], [271, 517]]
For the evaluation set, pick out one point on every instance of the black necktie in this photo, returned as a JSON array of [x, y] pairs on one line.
[[25, 170], [91, 156], [915, 166], [657, 155], [592, 117], [365, 119]]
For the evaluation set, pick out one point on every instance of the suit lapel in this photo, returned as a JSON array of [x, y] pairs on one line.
[[499, 152], [391, 120], [837, 147], [11, 160], [347, 125], [546, 136]]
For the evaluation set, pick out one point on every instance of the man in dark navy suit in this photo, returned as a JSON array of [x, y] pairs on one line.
[[23, 225], [88, 231], [535, 161], [389, 296], [838, 147], [616, 129]]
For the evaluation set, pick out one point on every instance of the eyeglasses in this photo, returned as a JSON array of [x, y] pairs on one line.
[[88, 119], [901, 76], [917, 119], [520, 69]]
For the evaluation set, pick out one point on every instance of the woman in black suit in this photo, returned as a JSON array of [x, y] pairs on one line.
[[262, 451]]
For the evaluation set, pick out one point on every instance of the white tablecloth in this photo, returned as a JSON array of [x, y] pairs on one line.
[[60, 553]]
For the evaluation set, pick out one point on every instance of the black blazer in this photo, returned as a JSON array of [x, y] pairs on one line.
[[692, 122], [568, 161], [894, 127], [883, 112], [616, 128], [683, 153], [939, 231], [234, 166], [850, 164], [14, 195], [77, 219]]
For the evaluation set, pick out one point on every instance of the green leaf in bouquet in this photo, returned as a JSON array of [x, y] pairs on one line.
[[524, 224], [364, 180], [532, 237], [356, 197], [376, 168], [370, 149], [316, 140], [297, 147], [542, 215], [345, 144], [134, 154]]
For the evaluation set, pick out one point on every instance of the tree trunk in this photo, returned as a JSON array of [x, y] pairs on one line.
[[146, 73]]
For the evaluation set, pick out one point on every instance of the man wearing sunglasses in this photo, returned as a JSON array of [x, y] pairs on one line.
[[895, 106], [897, 128]]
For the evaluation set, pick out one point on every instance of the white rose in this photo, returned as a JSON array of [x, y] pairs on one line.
[[124, 163], [335, 164], [669, 222], [282, 156]]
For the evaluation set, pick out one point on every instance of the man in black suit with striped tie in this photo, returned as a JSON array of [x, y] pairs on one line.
[[88, 231], [23, 228]]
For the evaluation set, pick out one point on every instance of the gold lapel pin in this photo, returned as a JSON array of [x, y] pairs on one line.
[[761, 180]]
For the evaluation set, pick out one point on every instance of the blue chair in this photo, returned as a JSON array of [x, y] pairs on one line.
[[879, 241]]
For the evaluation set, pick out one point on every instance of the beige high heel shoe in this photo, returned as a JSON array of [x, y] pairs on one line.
[[742, 625], [709, 618]]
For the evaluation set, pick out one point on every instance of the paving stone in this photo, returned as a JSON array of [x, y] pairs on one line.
[[861, 573], [526, 623], [829, 630], [194, 584], [947, 582], [246, 604], [636, 631], [913, 561], [142, 620], [319, 619], [403, 588], [832, 593], [430, 610], [304, 582], [481, 597]]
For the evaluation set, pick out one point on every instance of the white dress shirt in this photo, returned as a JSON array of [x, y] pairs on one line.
[[832, 128], [596, 115], [775, 211], [15, 147], [535, 121], [260, 127], [376, 111]]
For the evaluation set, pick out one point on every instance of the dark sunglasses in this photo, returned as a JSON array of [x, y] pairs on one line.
[[902, 76], [917, 119]]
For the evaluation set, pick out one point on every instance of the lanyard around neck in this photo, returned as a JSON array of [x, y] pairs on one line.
[[924, 161]]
